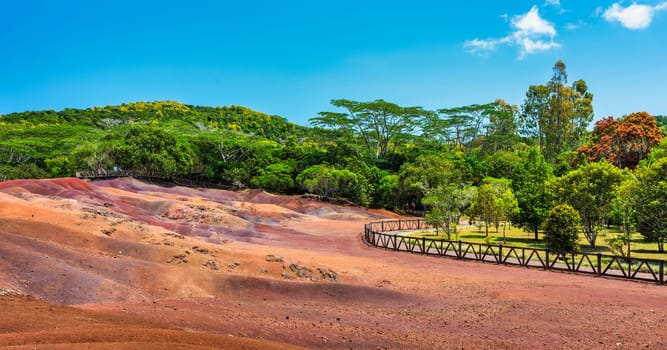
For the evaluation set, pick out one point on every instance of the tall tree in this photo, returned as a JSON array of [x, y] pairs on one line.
[[529, 184], [445, 204], [624, 213], [590, 189], [494, 202], [460, 126], [506, 204], [377, 124], [484, 205], [501, 131], [557, 115]]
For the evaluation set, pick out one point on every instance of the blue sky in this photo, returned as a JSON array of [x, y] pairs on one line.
[[291, 58]]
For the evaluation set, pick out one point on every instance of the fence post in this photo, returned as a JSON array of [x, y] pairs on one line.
[[523, 257], [662, 272], [382, 226], [424, 245], [460, 252], [500, 254], [547, 260], [599, 264]]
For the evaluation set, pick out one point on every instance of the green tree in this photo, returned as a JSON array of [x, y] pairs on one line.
[[275, 177], [155, 150], [460, 126], [501, 131], [92, 156], [430, 171], [506, 203], [386, 192], [484, 205], [329, 182], [378, 124], [501, 164], [651, 203], [529, 186], [590, 189], [444, 204], [624, 213], [494, 203], [561, 228], [557, 115]]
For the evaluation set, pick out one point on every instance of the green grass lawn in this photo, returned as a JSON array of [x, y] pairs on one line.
[[519, 238]]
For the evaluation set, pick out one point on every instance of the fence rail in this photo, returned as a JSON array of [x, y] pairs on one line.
[[150, 176], [375, 233]]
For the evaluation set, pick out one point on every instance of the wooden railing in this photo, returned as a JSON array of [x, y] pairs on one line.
[[375, 233], [151, 176]]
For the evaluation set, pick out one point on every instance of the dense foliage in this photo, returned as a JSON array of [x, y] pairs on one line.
[[623, 142], [561, 228], [651, 202], [493, 162]]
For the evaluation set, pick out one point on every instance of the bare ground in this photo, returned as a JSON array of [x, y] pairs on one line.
[[124, 264]]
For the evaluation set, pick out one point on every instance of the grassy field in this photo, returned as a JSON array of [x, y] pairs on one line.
[[520, 238]]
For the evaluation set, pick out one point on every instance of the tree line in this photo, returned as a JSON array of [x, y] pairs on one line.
[[494, 162]]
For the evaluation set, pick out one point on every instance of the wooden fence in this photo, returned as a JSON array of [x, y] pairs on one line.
[[651, 270], [150, 176]]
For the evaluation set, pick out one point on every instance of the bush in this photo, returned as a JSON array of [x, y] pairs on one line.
[[561, 228]]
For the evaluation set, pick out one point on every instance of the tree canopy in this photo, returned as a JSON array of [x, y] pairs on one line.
[[557, 115], [623, 142]]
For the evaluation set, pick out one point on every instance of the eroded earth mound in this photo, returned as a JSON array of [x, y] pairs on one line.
[[125, 264]]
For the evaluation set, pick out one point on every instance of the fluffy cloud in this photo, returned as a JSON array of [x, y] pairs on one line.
[[634, 16], [531, 34], [532, 24]]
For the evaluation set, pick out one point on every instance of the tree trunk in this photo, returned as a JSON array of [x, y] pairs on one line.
[[536, 234]]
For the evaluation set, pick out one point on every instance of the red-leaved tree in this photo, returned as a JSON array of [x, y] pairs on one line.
[[623, 142]]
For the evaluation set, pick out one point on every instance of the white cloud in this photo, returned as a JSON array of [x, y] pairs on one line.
[[532, 34], [555, 4], [531, 46], [532, 24], [634, 16], [572, 26], [482, 44]]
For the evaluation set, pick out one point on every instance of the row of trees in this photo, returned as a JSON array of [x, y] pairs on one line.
[[593, 195], [494, 161]]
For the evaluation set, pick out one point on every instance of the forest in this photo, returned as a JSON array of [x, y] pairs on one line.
[[528, 164]]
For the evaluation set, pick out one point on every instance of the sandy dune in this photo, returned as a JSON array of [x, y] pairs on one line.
[[125, 264]]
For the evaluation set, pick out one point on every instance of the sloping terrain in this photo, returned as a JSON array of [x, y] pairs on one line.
[[142, 264]]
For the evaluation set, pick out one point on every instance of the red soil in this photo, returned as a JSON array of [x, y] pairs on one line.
[[142, 266]]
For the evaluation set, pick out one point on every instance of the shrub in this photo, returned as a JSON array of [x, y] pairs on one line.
[[561, 228]]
